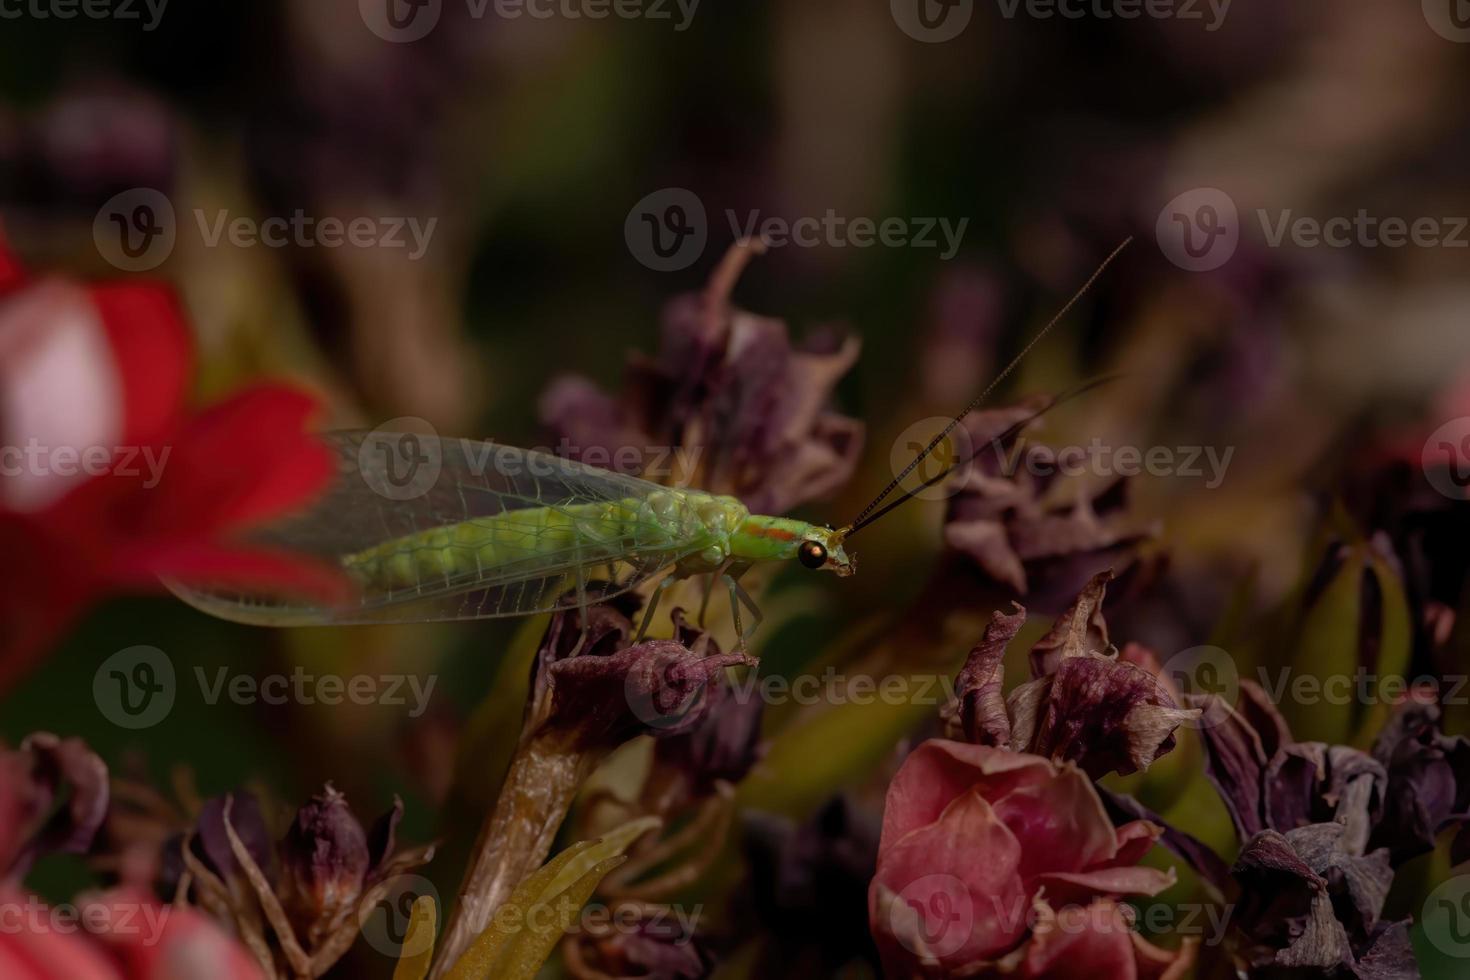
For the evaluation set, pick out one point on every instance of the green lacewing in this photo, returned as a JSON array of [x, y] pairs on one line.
[[501, 531]]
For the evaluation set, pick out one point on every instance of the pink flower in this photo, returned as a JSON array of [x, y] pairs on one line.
[[995, 863], [124, 934]]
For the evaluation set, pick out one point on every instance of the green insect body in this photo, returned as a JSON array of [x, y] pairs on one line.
[[698, 530], [504, 532]]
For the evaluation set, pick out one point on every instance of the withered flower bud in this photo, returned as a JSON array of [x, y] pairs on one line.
[[325, 859]]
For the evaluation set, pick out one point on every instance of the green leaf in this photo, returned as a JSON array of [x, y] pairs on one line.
[[1395, 649], [831, 748], [526, 929], [1326, 652], [422, 923]]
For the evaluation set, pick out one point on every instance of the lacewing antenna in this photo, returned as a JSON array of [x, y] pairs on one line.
[[999, 440], [863, 519]]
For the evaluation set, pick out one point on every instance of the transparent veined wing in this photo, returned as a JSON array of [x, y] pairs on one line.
[[442, 529]]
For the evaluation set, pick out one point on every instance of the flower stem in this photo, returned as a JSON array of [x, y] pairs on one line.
[[540, 786]]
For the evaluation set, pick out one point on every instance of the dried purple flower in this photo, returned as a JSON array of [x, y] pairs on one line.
[[1006, 521], [330, 868], [1269, 781], [1323, 827], [33, 779], [1310, 904], [1084, 704], [742, 406], [1428, 781]]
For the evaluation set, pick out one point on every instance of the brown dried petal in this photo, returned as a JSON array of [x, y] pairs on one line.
[[1235, 760], [979, 688], [32, 779], [211, 840], [1079, 630], [382, 838]]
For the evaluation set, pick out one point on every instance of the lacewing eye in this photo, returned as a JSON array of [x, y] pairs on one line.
[[812, 554]]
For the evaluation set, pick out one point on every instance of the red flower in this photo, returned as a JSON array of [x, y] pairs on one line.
[[994, 863], [110, 482]]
